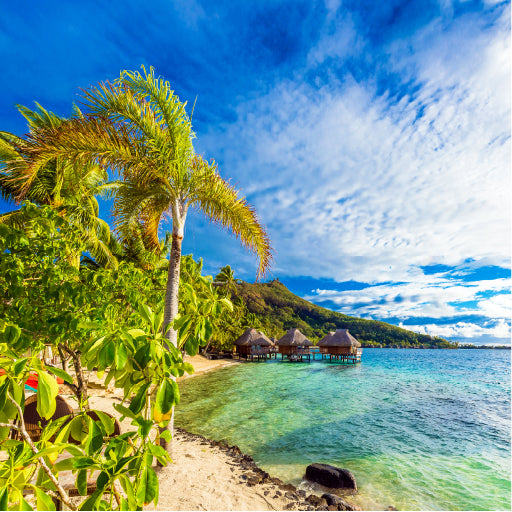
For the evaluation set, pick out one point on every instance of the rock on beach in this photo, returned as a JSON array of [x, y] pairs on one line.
[[331, 476]]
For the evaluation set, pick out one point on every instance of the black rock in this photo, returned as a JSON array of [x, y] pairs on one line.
[[339, 503], [331, 476], [316, 500], [253, 480]]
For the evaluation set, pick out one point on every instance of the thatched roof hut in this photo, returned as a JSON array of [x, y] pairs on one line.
[[293, 342], [254, 343], [294, 338], [252, 337], [339, 342]]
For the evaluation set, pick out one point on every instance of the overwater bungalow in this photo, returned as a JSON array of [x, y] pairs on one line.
[[253, 344], [341, 346], [295, 346]]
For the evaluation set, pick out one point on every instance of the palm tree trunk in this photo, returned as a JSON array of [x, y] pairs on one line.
[[171, 295], [173, 284]]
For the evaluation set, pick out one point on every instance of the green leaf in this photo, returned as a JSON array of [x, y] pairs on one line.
[[146, 313], [11, 334], [4, 387], [188, 368], [44, 502], [84, 463], [164, 397], [77, 428], [53, 427], [136, 333], [139, 400], [124, 411], [176, 392], [208, 329], [94, 441], [166, 435], [158, 452], [102, 480], [157, 321], [65, 464], [60, 373], [145, 426], [227, 303], [19, 366], [91, 502], [106, 421], [81, 482], [47, 390], [125, 505], [106, 355], [191, 347], [4, 499], [128, 488], [147, 488], [24, 505], [121, 356]]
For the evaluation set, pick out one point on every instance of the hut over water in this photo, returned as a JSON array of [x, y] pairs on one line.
[[341, 345], [294, 345], [254, 343]]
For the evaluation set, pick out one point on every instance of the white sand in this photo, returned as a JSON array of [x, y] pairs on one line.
[[206, 477]]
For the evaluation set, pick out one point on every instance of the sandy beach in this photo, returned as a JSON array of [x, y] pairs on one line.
[[207, 475]]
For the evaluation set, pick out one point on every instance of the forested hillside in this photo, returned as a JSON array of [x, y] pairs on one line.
[[277, 309]]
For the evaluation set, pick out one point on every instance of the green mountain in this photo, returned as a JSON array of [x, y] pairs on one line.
[[276, 309]]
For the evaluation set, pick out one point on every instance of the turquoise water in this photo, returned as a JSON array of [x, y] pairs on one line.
[[420, 429]]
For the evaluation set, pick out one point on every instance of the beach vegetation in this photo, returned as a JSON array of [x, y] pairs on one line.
[[138, 129], [69, 188], [110, 322]]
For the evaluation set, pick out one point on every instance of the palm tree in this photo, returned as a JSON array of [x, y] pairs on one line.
[[70, 189], [139, 127], [226, 279]]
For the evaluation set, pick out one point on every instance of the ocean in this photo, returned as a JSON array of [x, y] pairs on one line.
[[419, 429]]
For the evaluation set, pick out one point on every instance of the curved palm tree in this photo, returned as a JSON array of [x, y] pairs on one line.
[[70, 189], [139, 127]]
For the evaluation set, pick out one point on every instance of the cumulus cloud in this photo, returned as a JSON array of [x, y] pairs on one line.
[[358, 186], [356, 182], [465, 330]]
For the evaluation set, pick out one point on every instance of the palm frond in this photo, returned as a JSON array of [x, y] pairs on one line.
[[137, 207], [87, 140], [39, 118], [219, 201]]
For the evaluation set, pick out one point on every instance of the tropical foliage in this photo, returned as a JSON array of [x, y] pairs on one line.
[[110, 320], [140, 128], [71, 189], [67, 284]]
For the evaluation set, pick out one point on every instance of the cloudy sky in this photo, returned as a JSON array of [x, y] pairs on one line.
[[372, 137]]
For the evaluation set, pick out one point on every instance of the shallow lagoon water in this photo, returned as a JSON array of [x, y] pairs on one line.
[[420, 429]]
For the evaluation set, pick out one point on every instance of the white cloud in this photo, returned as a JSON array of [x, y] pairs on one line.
[[464, 330], [356, 186], [429, 297], [353, 186]]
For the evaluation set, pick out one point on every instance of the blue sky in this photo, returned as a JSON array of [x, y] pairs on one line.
[[372, 137]]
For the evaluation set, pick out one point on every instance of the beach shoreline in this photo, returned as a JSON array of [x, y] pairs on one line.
[[210, 475]]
